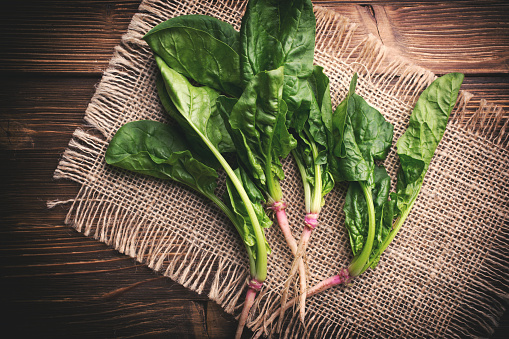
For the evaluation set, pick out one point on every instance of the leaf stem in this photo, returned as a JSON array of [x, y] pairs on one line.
[[273, 187], [359, 262], [261, 257], [305, 182], [316, 200], [395, 229]]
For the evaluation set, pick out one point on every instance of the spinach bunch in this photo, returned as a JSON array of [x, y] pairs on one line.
[[415, 149], [373, 215], [253, 81], [279, 111], [311, 125], [256, 94], [204, 51], [362, 136]]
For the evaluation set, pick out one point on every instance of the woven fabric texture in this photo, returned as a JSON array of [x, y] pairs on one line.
[[444, 276]]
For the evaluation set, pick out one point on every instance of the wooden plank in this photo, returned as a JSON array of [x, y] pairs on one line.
[[440, 36], [79, 36], [62, 36], [42, 112]]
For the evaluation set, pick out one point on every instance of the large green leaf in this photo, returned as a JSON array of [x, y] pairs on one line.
[[156, 149], [363, 136], [257, 124], [280, 33], [196, 107], [202, 48], [426, 127], [277, 33]]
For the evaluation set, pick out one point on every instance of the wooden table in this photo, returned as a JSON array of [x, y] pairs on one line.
[[58, 283]]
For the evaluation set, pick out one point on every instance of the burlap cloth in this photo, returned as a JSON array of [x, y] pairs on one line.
[[444, 276]]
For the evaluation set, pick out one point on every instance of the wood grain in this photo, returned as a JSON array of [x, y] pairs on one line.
[[442, 36], [58, 283], [79, 36]]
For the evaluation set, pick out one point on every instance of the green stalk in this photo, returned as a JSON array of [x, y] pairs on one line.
[[261, 258], [316, 202], [273, 187], [305, 183], [359, 262], [395, 229]]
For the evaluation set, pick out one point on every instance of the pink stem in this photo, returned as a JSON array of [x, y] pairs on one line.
[[342, 278], [253, 287], [282, 220]]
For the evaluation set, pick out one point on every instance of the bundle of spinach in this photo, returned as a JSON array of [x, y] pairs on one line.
[[257, 94], [362, 136], [311, 125], [206, 51], [369, 210], [277, 40], [373, 216]]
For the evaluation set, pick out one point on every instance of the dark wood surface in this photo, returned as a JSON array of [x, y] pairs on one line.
[[58, 283]]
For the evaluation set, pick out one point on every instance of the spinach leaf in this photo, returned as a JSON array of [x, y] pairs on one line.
[[202, 48], [156, 149], [194, 108], [426, 127], [159, 150], [362, 135], [277, 33], [257, 126], [280, 33]]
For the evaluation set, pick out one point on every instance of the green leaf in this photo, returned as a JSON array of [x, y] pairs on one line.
[[356, 217], [277, 33], [156, 149], [426, 127], [280, 33], [202, 48], [362, 136], [257, 124], [196, 107]]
